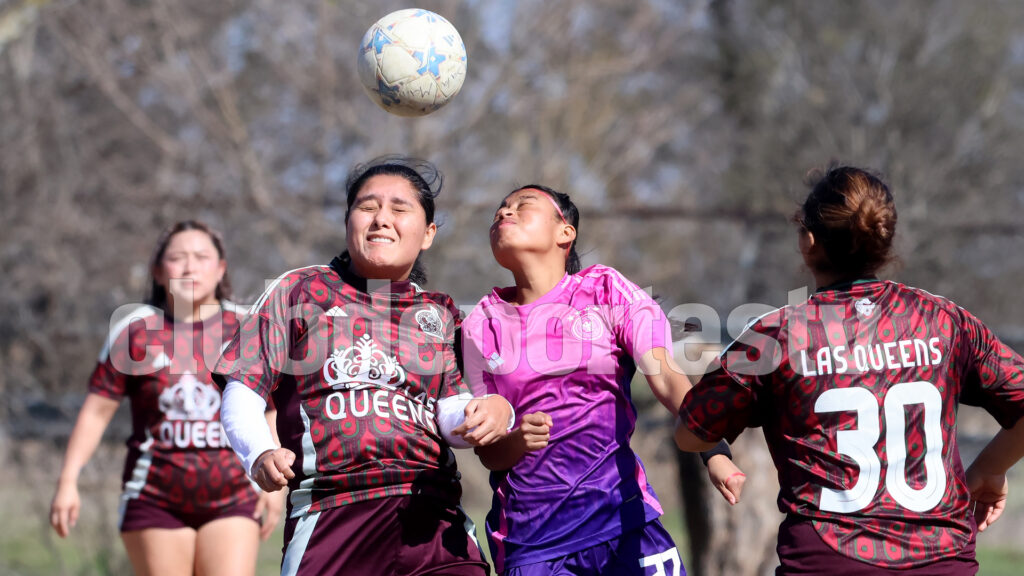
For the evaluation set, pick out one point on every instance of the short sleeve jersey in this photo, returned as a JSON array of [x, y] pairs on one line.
[[178, 456], [857, 390], [355, 371], [571, 354]]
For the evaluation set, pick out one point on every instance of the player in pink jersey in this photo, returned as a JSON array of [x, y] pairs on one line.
[[857, 391], [562, 345], [187, 505], [360, 361]]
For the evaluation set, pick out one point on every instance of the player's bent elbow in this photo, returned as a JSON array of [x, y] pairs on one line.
[[687, 441]]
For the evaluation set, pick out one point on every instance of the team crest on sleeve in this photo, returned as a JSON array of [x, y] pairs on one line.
[[430, 322], [363, 365], [189, 399], [586, 324], [865, 308]]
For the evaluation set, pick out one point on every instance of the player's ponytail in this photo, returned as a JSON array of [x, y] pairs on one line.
[[851, 214], [424, 177], [157, 293]]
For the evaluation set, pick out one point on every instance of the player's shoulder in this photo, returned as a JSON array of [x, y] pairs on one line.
[[292, 281], [609, 282], [125, 325], [435, 297], [768, 323]]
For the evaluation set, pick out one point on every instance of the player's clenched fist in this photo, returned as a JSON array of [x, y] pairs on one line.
[[535, 430], [273, 469]]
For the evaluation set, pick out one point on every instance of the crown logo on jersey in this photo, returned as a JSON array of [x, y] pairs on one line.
[[189, 399], [864, 307], [430, 322], [363, 365]]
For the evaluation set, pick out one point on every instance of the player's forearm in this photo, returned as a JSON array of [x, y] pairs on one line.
[[1004, 450], [503, 454], [243, 416], [93, 419]]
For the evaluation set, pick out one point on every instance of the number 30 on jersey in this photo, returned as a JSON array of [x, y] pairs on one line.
[[859, 445]]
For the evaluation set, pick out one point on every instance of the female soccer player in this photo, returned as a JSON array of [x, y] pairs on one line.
[[187, 505], [857, 390], [562, 345], [360, 361]]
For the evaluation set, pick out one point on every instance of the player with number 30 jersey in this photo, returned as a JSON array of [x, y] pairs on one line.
[[857, 391]]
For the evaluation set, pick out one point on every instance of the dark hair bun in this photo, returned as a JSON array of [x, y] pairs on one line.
[[851, 213]]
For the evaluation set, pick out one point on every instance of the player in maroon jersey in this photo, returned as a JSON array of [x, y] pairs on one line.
[[360, 361], [857, 391], [187, 505]]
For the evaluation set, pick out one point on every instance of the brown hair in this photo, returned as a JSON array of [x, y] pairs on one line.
[[851, 213], [157, 293]]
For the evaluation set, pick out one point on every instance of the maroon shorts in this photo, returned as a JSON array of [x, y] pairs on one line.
[[139, 514], [393, 536], [802, 551]]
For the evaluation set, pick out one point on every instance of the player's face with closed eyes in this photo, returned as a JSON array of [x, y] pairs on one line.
[[527, 220], [387, 228]]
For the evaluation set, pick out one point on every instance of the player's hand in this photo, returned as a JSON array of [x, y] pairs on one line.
[[273, 469], [269, 508], [726, 477], [64, 508], [988, 496], [486, 421], [535, 430]]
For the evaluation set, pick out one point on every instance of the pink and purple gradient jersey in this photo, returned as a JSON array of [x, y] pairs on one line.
[[571, 354], [178, 455], [857, 390]]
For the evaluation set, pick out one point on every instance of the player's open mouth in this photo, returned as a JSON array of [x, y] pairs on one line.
[[380, 240]]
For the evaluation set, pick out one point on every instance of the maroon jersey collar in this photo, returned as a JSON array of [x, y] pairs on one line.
[[395, 288]]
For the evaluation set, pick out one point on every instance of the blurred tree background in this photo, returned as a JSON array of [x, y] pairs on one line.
[[683, 130]]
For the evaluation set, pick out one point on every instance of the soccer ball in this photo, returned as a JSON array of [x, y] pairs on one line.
[[411, 62]]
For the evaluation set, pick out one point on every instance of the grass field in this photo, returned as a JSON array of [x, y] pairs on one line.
[[95, 549], [28, 547]]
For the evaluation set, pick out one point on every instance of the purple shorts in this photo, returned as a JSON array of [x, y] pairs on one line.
[[393, 536], [140, 514], [646, 551], [802, 551]]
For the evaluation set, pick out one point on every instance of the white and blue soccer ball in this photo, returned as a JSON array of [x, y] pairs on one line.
[[412, 62]]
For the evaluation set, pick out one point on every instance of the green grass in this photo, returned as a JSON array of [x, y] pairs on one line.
[[1001, 561], [33, 550]]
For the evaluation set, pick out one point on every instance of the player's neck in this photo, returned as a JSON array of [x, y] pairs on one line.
[[824, 279], [535, 281]]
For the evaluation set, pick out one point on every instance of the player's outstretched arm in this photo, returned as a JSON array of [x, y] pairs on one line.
[[986, 476], [533, 434], [93, 419]]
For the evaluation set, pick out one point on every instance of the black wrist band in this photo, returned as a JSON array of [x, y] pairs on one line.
[[721, 448]]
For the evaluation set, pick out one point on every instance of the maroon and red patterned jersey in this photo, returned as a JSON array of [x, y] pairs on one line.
[[857, 390], [355, 372], [178, 455]]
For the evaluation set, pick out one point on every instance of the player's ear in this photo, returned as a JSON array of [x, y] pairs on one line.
[[807, 241], [428, 236], [567, 234]]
